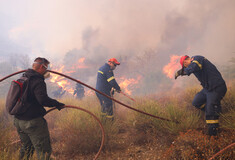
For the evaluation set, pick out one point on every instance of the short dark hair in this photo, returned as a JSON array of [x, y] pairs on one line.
[[41, 60]]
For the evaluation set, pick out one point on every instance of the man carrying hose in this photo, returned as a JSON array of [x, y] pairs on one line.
[[31, 126], [105, 82], [214, 88]]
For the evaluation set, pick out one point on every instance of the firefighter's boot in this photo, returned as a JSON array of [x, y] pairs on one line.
[[213, 129]]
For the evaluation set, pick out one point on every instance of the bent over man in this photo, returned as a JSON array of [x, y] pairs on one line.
[[105, 82], [31, 126], [214, 88]]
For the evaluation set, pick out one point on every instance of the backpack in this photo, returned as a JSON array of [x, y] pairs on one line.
[[17, 96]]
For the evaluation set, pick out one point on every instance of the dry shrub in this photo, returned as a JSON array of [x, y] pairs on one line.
[[142, 121], [196, 145], [228, 109], [5, 125], [228, 120], [169, 108], [188, 94], [76, 132], [187, 119], [7, 149], [228, 102]]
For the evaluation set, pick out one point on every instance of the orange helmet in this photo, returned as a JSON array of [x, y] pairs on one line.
[[182, 60], [114, 60]]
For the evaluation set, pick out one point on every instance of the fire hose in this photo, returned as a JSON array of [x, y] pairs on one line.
[[111, 97], [96, 91], [103, 134], [128, 96], [157, 117], [221, 151]]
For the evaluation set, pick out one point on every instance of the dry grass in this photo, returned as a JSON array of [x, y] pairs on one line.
[[76, 134]]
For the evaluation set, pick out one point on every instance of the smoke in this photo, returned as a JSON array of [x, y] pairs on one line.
[[141, 34], [57, 27]]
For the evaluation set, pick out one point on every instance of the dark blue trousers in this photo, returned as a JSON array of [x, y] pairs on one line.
[[212, 107], [106, 105]]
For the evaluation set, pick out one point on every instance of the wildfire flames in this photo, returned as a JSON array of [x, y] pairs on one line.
[[171, 67], [60, 81], [89, 92], [80, 64], [127, 85]]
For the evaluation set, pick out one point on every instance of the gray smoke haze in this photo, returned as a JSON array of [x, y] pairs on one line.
[[142, 34]]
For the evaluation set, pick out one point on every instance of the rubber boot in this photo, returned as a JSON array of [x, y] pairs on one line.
[[213, 129]]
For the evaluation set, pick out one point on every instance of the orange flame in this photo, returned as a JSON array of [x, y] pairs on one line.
[[127, 85], [60, 81], [81, 60], [89, 92], [171, 67], [81, 64]]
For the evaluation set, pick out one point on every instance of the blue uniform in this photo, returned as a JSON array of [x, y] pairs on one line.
[[105, 82], [214, 89]]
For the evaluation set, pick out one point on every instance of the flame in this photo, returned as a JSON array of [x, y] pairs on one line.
[[80, 64], [81, 60], [63, 82], [89, 92], [171, 67], [60, 81], [55, 77], [127, 85]]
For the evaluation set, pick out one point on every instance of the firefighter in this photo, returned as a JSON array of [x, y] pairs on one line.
[[214, 88], [79, 91], [31, 126], [105, 82], [59, 92]]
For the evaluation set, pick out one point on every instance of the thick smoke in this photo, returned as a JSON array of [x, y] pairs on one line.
[[141, 34]]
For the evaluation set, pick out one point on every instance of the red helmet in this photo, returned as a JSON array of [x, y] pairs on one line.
[[114, 60], [182, 60]]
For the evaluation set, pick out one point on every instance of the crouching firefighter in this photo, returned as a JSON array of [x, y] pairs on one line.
[[214, 88], [28, 117], [105, 82]]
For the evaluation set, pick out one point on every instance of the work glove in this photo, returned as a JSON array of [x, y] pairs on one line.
[[179, 73], [61, 106], [118, 91]]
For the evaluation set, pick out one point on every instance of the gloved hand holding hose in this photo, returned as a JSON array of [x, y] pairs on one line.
[[61, 106], [179, 73]]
